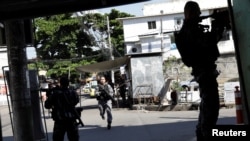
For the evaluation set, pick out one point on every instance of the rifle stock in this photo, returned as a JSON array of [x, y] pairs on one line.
[[78, 111]]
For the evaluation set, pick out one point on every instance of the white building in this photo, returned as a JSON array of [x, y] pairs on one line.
[[3, 60], [30, 52], [154, 32]]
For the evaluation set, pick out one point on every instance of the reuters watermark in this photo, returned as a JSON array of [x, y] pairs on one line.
[[241, 132]]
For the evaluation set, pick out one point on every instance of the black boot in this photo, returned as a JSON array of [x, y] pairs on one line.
[[199, 135], [109, 125]]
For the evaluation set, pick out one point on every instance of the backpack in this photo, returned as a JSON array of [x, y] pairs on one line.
[[64, 102], [104, 92], [185, 52], [197, 48]]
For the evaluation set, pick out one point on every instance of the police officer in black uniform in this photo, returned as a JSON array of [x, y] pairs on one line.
[[197, 46], [62, 101], [105, 99]]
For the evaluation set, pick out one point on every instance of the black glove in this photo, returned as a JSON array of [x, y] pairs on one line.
[[98, 97], [113, 100]]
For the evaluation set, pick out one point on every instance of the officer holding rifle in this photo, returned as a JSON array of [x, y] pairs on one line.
[[62, 101], [197, 45], [105, 99]]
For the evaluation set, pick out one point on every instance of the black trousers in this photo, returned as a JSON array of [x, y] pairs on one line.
[[209, 106], [62, 127]]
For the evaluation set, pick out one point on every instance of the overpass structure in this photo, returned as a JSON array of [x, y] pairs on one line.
[[13, 12]]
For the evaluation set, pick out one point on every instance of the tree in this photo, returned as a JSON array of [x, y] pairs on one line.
[[63, 41], [117, 35], [38, 66], [98, 23], [61, 37]]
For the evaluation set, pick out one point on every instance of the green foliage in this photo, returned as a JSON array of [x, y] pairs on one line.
[[38, 66], [60, 37], [63, 42], [66, 68], [175, 85], [117, 37], [169, 63]]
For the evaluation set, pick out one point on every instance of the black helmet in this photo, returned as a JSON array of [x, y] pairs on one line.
[[64, 82]]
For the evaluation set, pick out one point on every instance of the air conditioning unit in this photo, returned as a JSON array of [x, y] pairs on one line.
[[134, 49]]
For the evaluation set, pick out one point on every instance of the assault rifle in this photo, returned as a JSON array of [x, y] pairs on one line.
[[77, 112], [102, 90]]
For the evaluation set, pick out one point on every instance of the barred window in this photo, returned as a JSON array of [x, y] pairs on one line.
[[151, 25], [225, 35]]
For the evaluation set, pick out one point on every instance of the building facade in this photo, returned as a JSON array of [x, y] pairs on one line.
[[154, 33]]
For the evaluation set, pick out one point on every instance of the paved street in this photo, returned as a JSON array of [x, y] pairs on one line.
[[129, 125]]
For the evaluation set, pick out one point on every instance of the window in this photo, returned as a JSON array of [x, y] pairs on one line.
[[225, 35], [151, 25], [178, 22]]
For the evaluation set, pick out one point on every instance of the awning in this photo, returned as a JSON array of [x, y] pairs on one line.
[[104, 66]]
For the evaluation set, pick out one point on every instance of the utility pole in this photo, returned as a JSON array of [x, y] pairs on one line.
[[110, 49], [161, 32], [1, 133], [19, 81], [69, 73]]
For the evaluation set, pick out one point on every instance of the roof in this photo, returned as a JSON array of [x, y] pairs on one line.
[[104, 66], [175, 7], [16, 9]]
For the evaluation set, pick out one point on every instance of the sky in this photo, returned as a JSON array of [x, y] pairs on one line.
[[31, 53], [134, 9]]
